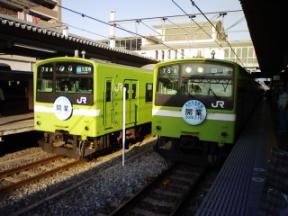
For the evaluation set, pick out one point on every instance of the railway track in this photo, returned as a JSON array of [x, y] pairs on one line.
[[26, 174], [106, 162], [164, 195], [24, 158]]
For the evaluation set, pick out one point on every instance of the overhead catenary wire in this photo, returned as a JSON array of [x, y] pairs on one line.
[[234, 24], [209, 21], [111, 24], [171, 22], [192, 19], [147, 26], [87, 31], [175, 16]]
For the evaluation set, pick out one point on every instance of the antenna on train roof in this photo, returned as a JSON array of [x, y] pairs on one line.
[[76, 53], [83, 53]]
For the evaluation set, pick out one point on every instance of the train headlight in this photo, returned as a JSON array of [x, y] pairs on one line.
[[38, 123], [86, 128], [188, 70], [200, 69]]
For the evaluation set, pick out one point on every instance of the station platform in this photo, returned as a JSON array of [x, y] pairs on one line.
[[16, 124], [238, 188]]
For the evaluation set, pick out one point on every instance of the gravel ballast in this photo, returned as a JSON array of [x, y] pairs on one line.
[[97, 191]]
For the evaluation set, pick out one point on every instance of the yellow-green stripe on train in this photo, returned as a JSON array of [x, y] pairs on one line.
[[200, 105], [78, 104]]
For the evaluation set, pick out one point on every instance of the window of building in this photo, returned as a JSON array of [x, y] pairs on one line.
[[250, 52], [238, 52], [134, 44], [182, 53], [244, 55], [128, 44], [226, 53], [139, 43]]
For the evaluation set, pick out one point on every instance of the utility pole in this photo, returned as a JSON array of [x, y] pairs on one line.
[[112, 29]]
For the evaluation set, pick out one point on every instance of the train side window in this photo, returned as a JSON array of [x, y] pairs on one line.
[[108, 91], [149, 92], [134, 90], [126, 85]]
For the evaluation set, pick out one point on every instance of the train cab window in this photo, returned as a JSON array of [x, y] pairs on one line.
[[45, 78], [149, 92], [74, 78], [74, 85], [134, 90], [168, 80], [108, 91], [206, 80]]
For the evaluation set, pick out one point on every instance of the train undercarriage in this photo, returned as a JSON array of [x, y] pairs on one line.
[[63, 143], [191, 150]]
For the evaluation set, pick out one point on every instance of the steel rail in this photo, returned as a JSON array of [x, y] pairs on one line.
[[103, 164], [20, 183], [157, 183], [28, 166]]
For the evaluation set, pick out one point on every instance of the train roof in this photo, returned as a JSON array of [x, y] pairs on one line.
[[196, 60], [95, 61]]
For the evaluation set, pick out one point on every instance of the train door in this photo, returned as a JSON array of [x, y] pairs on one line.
[[108, 104], [132, 97]]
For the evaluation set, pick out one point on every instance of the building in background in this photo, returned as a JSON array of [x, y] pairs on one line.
[[44, 13], [189, 40], [18, 90]]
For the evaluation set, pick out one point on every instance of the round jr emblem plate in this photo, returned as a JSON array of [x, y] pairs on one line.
[[62, 108], [194, 112]]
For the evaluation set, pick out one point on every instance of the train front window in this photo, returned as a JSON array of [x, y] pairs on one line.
[[65, 78], [74, 85], [168, 80], [206, 80], [73, 80], [45, 78]]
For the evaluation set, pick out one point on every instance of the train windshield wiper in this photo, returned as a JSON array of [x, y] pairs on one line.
[[210, 90]]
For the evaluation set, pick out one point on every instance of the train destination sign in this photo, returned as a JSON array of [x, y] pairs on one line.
[[62, 108], [194, 112]]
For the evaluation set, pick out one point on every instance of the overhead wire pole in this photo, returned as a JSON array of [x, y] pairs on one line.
[[147, 26], [194, 4]]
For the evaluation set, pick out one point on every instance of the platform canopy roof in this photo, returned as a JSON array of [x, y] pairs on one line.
[[267, 23], [23, 38]]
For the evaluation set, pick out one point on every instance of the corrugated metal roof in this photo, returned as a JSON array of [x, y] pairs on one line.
[[50, 32]]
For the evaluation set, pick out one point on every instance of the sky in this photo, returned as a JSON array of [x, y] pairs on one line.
[[134, 9]]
